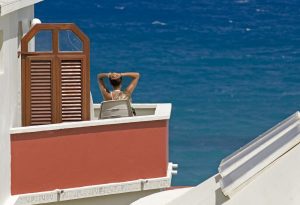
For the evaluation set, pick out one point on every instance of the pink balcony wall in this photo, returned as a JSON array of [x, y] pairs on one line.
[[69, 158]]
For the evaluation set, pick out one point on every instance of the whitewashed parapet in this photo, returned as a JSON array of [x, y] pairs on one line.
[[37, 198], [159, 183], [99, 190], [237, 169], [96, 190], [162, 112]]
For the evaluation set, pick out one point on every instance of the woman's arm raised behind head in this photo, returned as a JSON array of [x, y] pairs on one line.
[[135, 79], [104, 91]]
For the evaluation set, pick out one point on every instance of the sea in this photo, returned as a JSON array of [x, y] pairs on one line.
[[230, 68]]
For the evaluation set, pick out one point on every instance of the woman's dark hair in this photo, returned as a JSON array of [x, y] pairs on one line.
[[115, 82]]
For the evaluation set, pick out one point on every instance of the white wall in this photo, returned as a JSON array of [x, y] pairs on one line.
[[10, 89], [1, 51]]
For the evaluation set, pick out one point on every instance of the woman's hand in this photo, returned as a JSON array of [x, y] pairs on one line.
[[115, 76]]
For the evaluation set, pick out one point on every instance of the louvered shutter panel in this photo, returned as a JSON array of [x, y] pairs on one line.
[[71, 90], [40, 92]]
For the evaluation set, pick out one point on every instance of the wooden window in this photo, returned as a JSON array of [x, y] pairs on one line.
[[69, 42], [41, 42], [55, 83]]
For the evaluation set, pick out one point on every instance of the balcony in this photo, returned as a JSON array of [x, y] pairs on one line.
[[73, 155]]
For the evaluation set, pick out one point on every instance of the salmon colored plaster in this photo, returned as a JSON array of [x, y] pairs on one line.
[[69, 158]]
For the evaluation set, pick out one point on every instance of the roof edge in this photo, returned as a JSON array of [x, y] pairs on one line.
[[16, 5]]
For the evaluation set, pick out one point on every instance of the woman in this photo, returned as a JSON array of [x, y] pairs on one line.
[[115, 80]]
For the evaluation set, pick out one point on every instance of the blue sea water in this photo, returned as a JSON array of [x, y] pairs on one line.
[[230, 68]]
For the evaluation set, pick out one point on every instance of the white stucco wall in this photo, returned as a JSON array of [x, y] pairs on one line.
[[10, 89], [1, 51]]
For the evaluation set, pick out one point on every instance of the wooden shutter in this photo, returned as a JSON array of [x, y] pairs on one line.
[[71, 90], [55, 84], [40, 90]]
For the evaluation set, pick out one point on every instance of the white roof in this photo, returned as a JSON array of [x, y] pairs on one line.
[[265, 171], [8, 6], [247, 162]]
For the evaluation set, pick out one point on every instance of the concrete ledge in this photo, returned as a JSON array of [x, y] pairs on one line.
[[95, 191], [162, 112]]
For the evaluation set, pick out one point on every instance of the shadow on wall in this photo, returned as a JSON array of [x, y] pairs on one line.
[[220, 197], [1, 39], [1, 51]]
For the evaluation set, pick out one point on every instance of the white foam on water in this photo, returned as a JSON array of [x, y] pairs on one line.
[[291, 93], [98, 6], [120, 7], [260, 10], [159, 23], [242, 1]]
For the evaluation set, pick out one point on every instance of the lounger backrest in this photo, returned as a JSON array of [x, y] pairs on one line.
[[115, 109]]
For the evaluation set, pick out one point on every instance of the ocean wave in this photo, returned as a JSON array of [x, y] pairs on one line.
[[260, 10], [160, 23], [242, 1], [98, 5], [296, 93], [120, 7]]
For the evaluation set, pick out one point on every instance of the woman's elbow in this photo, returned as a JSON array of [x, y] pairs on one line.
[[138, 75]]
